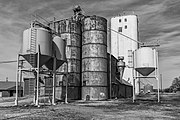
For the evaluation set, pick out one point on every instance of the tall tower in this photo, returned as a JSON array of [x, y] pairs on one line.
[[122, 45]]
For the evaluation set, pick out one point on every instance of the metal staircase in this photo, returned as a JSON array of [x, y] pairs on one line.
[[33, 47]]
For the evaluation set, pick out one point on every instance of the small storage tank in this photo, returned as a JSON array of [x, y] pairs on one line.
[[59, 47], [33, 37], [70, 31], [94, 58], [145, 60]]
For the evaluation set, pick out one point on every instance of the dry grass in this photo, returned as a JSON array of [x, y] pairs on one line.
[[123, 109]]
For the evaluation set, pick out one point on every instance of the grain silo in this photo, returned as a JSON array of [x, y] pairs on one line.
[[94, 58], [34, 39], [146, 63], [70, 31], [125, 43]]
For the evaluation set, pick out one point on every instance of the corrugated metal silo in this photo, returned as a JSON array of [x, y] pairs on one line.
[[145, 60], [33, 37], [70, 31], [94, 58]]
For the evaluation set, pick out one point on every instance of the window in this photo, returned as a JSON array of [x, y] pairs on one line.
[[130, 58], [125, 27], [119, 20], [125, 19], [120, 29]]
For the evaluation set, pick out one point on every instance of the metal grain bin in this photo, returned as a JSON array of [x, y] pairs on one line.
[[32, 38], [145, 60], [70, 31], [94, 58]]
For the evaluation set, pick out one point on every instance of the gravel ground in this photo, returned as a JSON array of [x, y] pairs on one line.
[[122, 109]]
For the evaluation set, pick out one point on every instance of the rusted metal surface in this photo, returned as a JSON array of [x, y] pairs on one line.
[[94, 58], [72, 39], [73, 66], [94, 50], [94, 64], [69, 26], [94, 78], [70, 31], [73, 93], [94, 37], [94, 93], [94, 23], [73, 86], [73, 53]]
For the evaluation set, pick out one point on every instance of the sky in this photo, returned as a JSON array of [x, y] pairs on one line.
[[158, 20]]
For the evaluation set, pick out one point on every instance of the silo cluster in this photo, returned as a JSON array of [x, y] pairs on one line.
[[79, 50]]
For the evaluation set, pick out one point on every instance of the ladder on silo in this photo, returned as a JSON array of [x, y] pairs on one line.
[[33, 47]]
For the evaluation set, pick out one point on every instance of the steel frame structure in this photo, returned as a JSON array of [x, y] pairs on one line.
[[39, 71], [156, 74]]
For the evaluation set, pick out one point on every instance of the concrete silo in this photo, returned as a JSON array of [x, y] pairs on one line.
[[123, 45], [94, 58]]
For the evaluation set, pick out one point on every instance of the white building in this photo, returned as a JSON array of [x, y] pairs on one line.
[[124, 46]]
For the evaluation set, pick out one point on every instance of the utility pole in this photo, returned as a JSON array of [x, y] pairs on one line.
[[161, 83]]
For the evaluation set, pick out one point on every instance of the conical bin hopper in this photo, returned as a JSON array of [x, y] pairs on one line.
[[145, 60], [59, 48]]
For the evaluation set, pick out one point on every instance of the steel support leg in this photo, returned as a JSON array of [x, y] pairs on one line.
[[17, 77], [54, 82], [37, 84]]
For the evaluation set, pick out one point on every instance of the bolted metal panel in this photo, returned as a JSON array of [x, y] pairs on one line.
[[73, 53], [73, 93], [94, 64], [94, 37], [94, 58], [94, 50], [94, 93], [94, 23], [70, 31], [69, 26], [73, 66], [72, 39], [73, 86], [94, 78]]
